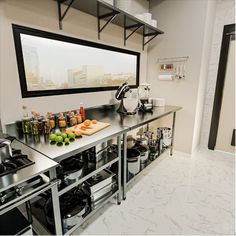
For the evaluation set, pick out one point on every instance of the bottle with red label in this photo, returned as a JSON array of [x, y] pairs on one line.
[[82, 111]]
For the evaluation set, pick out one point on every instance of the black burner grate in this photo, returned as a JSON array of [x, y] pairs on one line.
[[16, 162]]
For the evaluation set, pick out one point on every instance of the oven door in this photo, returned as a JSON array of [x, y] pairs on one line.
[[14, 223]]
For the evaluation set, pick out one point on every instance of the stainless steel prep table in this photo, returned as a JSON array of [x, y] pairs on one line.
[[119, 126]]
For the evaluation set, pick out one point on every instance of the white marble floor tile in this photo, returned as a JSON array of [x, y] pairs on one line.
[[179, 195]]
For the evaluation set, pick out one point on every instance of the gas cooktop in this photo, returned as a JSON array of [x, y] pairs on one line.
[[14, 163]]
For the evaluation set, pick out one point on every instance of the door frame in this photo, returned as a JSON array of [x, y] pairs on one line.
[[228, 29]]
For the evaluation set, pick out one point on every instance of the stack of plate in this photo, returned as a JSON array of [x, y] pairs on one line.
[[100, 186]]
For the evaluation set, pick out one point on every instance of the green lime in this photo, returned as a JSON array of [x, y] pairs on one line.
[[64, 135], [71, 136], [67, 140], [58, 133], [59, 139], [52, 137]]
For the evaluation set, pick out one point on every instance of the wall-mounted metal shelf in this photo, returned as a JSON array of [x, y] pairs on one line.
[[109, 13]]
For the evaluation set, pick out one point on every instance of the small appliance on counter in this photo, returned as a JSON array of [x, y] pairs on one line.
[[120, 95], [146, 103], [129, 102], [158, 102]]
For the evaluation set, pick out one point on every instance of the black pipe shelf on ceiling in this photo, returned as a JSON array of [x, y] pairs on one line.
[[108, 13]]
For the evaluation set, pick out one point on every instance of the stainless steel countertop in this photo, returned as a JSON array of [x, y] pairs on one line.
[[119, 124], [41, 165]]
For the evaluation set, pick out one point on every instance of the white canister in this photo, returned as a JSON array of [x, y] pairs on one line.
[[147, 17], [158, 102], [139, 16], [154, 23], [124, 5], [109, 1]]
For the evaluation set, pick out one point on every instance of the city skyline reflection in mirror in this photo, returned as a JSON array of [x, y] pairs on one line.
[[50, 62]]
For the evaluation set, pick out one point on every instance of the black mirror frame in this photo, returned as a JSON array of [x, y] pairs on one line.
[[228, 29], [17, 30]]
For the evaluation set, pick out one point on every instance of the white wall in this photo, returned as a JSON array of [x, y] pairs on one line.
[[208, 32], [43, 15], [184, 23], [225, 14]]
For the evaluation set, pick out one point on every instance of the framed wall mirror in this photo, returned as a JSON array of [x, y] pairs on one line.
[[53, 64], [222, 130]]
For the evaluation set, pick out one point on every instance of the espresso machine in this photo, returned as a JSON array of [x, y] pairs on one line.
[[146, 104]]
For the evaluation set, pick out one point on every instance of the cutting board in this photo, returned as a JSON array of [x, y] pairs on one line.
[[94, 128]]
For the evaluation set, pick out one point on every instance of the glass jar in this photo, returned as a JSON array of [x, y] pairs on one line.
[[40, 122], [46, 126], [35, 130], [73, 120], [52, 122], [68, 115], [61, 121], [78, 117], [26, 125]]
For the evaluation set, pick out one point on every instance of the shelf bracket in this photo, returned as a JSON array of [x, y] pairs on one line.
[[145, 35], [133, 29], [111, 15], [61, 15]]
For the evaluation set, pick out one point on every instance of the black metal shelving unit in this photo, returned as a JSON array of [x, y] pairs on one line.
[[109, 13]]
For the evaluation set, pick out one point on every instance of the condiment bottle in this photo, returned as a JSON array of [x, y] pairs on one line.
[[82, 111], [26, 121], [34, 115], [68, 115], [78, 117], [51, 120], [46, 125], [35, 130], [40, 122], [61, 120], [73, 120]]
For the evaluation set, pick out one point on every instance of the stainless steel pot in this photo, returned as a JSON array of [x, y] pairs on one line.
[[73, 176], [71, 220], [72, 169], [144, 153], [133, 159], [5, 150]]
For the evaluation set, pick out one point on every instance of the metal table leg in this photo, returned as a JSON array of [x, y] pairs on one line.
[[56, 204], [28, 210], [173, 134], [124, 165], [119, 170]]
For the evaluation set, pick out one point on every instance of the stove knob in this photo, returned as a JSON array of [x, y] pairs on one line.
[[2, 198], [19, 190]]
